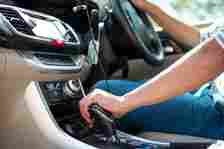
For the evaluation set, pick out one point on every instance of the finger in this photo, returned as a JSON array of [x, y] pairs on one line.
[[83, 112], [90, 125], [84, 103], [86, 113], [84, 106]]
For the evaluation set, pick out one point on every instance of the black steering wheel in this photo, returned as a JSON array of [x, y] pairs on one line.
[[140, 30]]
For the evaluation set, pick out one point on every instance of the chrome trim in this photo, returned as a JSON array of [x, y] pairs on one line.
[[125, 136], [79, 62], [101, 26], [72, 86]]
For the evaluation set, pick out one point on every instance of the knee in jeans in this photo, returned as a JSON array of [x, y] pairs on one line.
[[101, 85]]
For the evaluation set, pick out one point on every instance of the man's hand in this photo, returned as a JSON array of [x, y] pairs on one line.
[[107, 101]]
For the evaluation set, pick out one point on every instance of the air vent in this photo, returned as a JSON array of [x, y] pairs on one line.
[[16, 20]]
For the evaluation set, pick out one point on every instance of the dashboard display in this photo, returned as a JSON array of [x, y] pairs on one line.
[[52, 30]]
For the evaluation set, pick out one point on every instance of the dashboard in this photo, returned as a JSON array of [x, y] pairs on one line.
[[44, 42], [28, 30], [75, 32]]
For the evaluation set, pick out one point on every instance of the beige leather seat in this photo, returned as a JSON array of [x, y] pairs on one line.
[[165, 137], [179, 141]]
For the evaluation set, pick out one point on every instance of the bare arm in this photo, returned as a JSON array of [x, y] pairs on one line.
[[199, 66], [181, 32]]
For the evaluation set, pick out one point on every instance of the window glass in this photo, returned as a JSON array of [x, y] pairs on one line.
[[193, 11]]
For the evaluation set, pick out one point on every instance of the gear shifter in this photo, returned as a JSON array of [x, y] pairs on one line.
[[103, 119], [105, 122]]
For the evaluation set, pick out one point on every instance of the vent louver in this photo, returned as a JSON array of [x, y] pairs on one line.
[[16, 20]]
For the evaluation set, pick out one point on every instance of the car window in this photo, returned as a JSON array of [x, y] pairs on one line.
[[193, 11]]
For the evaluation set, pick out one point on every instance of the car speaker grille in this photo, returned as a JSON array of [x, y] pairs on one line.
[[16, 20]]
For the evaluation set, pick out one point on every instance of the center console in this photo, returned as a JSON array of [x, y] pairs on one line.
[[63, 100]]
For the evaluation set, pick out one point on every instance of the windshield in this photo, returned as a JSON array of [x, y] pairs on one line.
[[193, 11]]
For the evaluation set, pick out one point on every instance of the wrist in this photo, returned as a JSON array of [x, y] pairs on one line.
[[128, 104], [124, 107]]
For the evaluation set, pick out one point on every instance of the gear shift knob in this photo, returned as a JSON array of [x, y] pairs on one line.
[[104, 121], [96, 110]]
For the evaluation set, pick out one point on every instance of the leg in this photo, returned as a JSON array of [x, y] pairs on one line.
[[182, 115], [187, 114], [118, 87]]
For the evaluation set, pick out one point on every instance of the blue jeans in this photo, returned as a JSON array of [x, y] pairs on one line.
[[192, 114]]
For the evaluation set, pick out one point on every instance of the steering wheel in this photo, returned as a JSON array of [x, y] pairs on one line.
[[140, 31]]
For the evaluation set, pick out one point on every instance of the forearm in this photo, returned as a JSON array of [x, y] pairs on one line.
[[181, 32], [197, 67]]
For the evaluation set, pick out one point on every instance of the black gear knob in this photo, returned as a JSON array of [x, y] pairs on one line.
[[103, 120], [98, 112]]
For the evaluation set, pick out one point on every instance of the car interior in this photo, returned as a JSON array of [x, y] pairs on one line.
[[50, 58]]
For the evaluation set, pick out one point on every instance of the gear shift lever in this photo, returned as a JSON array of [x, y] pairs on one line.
[[105, 121]]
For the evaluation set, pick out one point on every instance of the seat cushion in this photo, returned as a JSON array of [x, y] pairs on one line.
[[165, 137]]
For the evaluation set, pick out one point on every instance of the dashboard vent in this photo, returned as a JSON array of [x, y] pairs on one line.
[[16, 20]]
